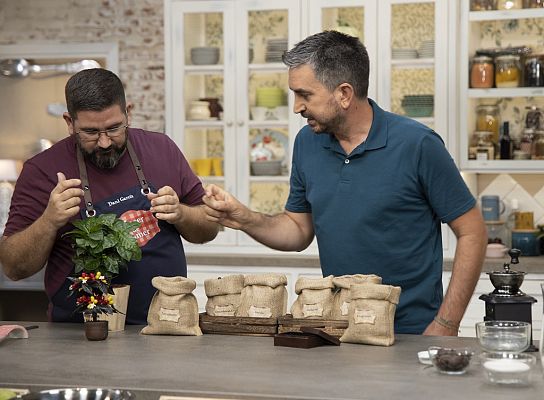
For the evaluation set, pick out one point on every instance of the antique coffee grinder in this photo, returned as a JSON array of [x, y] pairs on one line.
[[507, 302]]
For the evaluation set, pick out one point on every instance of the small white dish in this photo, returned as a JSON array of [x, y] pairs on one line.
[[424, 357]]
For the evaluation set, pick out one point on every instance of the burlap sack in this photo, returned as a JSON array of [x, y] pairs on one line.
[[173, 309], [263, 296], [342, 295], [314, 300], [224, 295], [372, 314]]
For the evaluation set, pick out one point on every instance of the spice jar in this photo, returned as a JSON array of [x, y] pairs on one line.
[[534, 71], [485, 148], [483, 5], [487, 119], [507, 71], [482, 72], [538, 145], [509, 4]]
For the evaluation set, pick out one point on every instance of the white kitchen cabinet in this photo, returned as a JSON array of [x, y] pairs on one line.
[[494, 29], [236, 77]]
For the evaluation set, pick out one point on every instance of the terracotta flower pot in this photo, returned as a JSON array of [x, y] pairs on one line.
[[96, 330]]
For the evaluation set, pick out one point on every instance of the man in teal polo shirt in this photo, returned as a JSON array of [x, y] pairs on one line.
[[373, 187]]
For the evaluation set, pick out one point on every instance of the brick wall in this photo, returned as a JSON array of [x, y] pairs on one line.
[[137, 25]]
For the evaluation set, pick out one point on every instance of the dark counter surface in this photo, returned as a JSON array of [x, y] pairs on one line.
[[241, 367], [527, 264]]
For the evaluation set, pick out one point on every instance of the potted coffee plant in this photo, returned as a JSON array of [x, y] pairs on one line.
[[102, 245]]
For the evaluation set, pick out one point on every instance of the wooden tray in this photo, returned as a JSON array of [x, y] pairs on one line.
[[238, 325], [334, 328]]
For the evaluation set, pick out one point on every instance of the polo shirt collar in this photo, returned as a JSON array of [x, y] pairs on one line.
[[377, 136]]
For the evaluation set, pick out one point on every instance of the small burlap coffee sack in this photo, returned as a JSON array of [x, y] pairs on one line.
[[372, 314], [263, 296], [173, 309], [224, 295], [342, 295], [315, 296]]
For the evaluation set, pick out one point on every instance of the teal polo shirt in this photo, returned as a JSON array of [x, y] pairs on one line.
[[379, 209]]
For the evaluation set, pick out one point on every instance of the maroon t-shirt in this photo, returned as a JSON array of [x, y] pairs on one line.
[[162, 162]]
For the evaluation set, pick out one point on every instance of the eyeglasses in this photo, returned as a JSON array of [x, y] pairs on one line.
[[92, 136]]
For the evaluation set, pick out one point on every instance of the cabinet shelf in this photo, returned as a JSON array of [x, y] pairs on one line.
[[477, 16], [268, 67], [413, 63], [212, 123], [269, 178], [508, 92], [502, 166], [203, 69], [269, 124]]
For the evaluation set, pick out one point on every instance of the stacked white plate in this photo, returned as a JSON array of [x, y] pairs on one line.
[[426, 49], [204, 55], [270, 97], [418, 105], [275, 49], [399, 53]]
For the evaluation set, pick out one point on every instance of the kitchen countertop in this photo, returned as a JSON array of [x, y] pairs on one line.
[[57, 355], [527, 264]]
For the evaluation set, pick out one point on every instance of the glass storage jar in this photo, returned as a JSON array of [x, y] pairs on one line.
[[538, 145], [483, 5], [507, 71], [487, 119], [526, 142], [534, 118], [509, 4], [533, 3], [534, 71], [482, 72]]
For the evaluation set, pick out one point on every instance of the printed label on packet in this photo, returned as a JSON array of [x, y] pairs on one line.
[[149, 225], [260, 312], [364, 317], [168, 314], [226, 310], [344, 309], [312, 310]]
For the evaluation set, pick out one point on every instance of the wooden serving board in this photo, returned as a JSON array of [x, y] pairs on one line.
[[334, 328], [238, 325]]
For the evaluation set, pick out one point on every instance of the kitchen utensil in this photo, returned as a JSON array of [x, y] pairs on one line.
[[508, 368], [450, 361], [21, 68], [504, 336], [507, 302]]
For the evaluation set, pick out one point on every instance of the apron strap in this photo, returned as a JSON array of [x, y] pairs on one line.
[[90, 211], [138, 168]]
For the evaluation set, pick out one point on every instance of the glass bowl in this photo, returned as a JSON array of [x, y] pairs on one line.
[[508, 368], [450, 361], [504, 336]]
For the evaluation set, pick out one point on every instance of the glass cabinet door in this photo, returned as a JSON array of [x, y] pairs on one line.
[[266, 124], [200, 61], [413, 72], [353, 17]]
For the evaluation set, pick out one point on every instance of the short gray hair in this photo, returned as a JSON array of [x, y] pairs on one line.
[[335, 57]]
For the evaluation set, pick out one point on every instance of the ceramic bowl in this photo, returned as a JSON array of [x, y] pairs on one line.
[[495, 250], [508, 368], [271, 167], [504, 336], [450, 361]]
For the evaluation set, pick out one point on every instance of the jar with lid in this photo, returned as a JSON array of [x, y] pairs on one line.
[[507, 71], [487, 119], [534, 71], [538, 145], [485, 148], [483, 5], [509, 4], [482, 72], [533, 3], [534, 119], [526, 142]]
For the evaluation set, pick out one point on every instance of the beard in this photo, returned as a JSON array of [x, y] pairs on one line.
[[104, 158], [331, 123]]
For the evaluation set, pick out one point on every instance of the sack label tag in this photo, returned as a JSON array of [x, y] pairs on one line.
[[168, 314], [364, 316], [260, 312]]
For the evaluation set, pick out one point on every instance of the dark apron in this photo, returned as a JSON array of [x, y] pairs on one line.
[[162, 255]]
